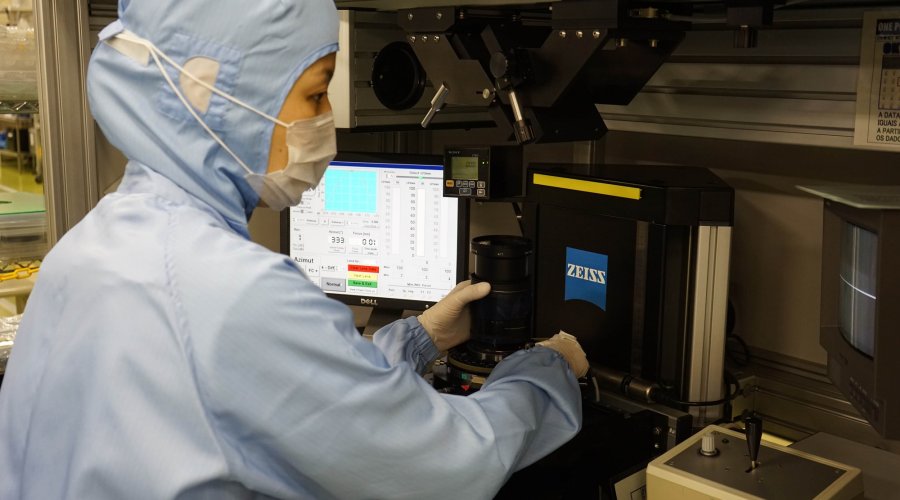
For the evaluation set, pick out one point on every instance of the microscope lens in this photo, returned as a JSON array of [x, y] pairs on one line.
[[503, 318]]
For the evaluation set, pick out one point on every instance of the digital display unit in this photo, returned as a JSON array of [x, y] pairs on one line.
[[377, 231], [484, 172], [860, 292]]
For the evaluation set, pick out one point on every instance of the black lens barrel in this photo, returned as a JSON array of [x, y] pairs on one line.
[[503, 318]]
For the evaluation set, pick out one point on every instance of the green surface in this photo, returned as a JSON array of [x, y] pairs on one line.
[[12, 203]]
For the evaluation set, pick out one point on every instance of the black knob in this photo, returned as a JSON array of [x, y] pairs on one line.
[[500, 65], [753, 429]]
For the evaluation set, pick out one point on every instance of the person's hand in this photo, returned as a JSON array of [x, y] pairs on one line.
[[448, 321], [571, 350]]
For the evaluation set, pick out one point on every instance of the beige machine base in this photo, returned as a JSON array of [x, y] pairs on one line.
[[683, 473]]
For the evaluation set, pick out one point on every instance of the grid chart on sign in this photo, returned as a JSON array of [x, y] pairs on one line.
[[351, 191], [889, 93]]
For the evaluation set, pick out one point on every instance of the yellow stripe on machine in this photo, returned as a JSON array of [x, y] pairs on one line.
[[631, 193]]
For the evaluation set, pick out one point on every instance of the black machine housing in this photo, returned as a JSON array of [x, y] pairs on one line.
[[651, 243], [648, 223]]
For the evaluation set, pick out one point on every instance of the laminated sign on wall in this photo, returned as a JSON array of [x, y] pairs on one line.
[[878, 91]]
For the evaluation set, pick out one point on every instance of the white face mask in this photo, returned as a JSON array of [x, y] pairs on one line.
[[311, 142], [311, 147]]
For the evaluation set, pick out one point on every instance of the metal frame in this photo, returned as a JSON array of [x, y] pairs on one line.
[[363, 34], [796, 399], [710, 304], [70, 172]]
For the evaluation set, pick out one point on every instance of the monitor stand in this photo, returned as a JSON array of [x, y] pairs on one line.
[[380, 317]]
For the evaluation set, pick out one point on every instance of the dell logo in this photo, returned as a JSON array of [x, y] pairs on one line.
[[586, 276], [368, 302], [586, 273]]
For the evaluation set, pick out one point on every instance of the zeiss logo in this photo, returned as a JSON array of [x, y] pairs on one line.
[[368, 302], [586, 276]]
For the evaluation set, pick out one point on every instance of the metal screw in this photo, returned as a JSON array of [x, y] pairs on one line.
[[486, 93], [654, 43], [657, 431], [562, 34], [656, 446], [596, 34], [439, 15], [579, 34], [409, 16], [436, 38], [412, 39]]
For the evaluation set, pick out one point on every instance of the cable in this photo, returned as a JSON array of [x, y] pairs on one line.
[[746, 350], [730, 380], [730, 324], [662, 397], [665, 398]]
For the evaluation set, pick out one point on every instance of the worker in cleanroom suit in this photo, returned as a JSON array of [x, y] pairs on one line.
[[165, 355]]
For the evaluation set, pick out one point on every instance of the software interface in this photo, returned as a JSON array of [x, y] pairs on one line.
[[377, 229]]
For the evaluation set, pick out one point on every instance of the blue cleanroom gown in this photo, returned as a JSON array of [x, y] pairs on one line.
[[165, 355]]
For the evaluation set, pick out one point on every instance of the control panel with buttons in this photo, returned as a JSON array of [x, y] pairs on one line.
[[483, 172]]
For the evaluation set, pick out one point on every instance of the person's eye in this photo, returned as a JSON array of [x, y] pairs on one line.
[[318, 97]]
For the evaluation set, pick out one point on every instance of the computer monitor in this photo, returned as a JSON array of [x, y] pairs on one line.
[[860, 316], [378, 232]]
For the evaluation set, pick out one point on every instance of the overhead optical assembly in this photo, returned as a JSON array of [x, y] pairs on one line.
[[539, 70]]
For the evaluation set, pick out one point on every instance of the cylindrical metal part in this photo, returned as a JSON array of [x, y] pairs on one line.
[[514, 104], [640, 390], [521, 128], [624, 384], [428, 117], [609, 379]]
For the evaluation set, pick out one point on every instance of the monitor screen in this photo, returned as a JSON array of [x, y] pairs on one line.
[[859, 316], [377, 231], [858, 270]]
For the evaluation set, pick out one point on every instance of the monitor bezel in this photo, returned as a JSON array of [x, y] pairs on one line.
[[867, 382], [462, 271]]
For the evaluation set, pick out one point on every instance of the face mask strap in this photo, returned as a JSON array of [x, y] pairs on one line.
[[153, 52], [128, 36]]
